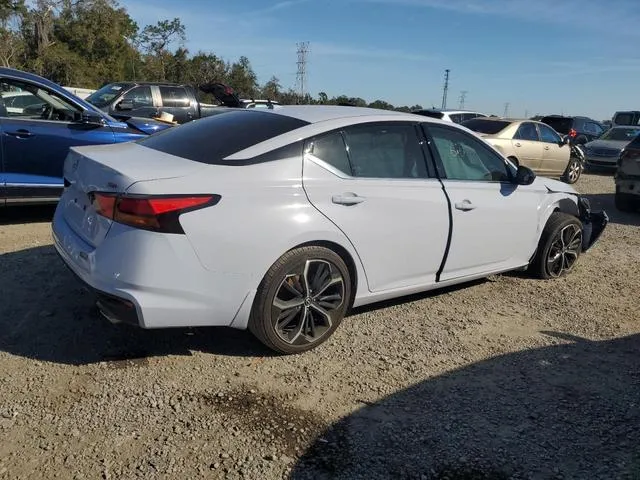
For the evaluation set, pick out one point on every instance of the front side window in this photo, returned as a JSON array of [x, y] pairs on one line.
[[174, 97], [385, 151], [42, 104], [466, 158], [527, 131], [139, 97], [332, 150], [548, 135]]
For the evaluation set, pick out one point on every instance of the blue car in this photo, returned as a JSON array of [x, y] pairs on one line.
[[39, 121]]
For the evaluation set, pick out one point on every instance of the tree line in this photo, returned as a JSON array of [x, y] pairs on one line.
[[88, 43]]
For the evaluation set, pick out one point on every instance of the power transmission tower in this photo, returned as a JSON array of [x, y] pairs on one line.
[[301, 75], [506, 109], [446, 88], [526, 113], [463, 97]]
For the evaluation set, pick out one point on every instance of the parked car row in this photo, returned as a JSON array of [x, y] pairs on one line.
[[148, 99]]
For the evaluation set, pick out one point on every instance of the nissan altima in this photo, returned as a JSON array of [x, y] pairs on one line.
[[282, 220]]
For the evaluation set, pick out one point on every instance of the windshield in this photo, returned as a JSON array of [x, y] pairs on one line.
[[489, 127], [103, 97], [559, 124], [622, 134]]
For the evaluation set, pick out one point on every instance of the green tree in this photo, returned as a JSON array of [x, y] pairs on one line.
[[243, 79], [272, 89], [156, 41], [381, 104], [11, 44], [323, 98]]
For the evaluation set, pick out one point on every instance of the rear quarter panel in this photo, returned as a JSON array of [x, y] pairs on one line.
[[263, 213]]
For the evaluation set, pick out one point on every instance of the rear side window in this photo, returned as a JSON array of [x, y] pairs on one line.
[[331, 149], [174, 97], [527, 131], [385, 151], [626, 118], [211, 139]]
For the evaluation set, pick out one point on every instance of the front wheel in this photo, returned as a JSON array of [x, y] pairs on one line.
[[559, 247], [573, 171], [301, 300]]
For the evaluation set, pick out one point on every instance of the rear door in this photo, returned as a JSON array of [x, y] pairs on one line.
[[371, 181], [556, 155], [527, 146], [494, 221], [177, 102], [36, 142]]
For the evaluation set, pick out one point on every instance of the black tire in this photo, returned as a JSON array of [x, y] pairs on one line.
[[625, 202], [573, 171], [548, 247], [285, 282]]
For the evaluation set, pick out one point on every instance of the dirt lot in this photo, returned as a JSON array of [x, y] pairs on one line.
[[505, 378]]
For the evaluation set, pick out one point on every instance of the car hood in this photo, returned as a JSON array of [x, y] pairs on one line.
[[147, 125], [556, 186], [617, 144]]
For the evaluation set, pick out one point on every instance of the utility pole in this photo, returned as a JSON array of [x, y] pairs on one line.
[[301, 75], [446, 88], [526, 113], [506, 109], [463, 96]]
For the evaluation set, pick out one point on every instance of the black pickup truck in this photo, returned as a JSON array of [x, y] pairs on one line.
[[150, 99]]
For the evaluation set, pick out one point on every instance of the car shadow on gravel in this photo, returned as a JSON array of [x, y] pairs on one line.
[[570, 410], [46, 314], [606, 201], [26, 214]]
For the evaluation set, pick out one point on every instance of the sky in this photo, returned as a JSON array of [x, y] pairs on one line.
[[576, 57]]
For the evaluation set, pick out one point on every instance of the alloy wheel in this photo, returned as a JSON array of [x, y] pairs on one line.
[[308, 302], [574, 171], [564, 250]]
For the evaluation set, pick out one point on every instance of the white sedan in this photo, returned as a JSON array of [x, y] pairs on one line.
[[281, 220]]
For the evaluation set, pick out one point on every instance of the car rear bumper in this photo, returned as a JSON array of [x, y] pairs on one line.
[[593, 223], [149, 279]]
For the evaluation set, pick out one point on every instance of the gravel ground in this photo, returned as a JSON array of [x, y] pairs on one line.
[[504, 378]]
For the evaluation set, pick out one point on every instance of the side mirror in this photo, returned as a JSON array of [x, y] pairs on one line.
[[125, 105], [524, 176], [564, 140], [88, 118]]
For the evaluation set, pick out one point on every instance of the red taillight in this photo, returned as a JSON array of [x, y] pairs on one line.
[[572, 133], [158, 213]]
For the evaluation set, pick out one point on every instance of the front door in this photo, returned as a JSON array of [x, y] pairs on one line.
[[378, 192], [137, 102], [494, 221], [555, 154], [36, 140]]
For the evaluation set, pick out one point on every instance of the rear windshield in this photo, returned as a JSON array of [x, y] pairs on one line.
[[481, 125], [429, 113], [627, 118], [559, 124], [211, 139]]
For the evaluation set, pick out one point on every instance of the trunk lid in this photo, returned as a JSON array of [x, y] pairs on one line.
[[110, 169]]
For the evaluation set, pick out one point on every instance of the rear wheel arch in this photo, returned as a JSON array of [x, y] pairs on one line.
[[347, 258]]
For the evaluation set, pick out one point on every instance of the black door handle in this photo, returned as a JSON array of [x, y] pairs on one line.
[[22, 133]]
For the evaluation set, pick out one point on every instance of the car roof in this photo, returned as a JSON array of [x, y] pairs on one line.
[[321, 113]]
